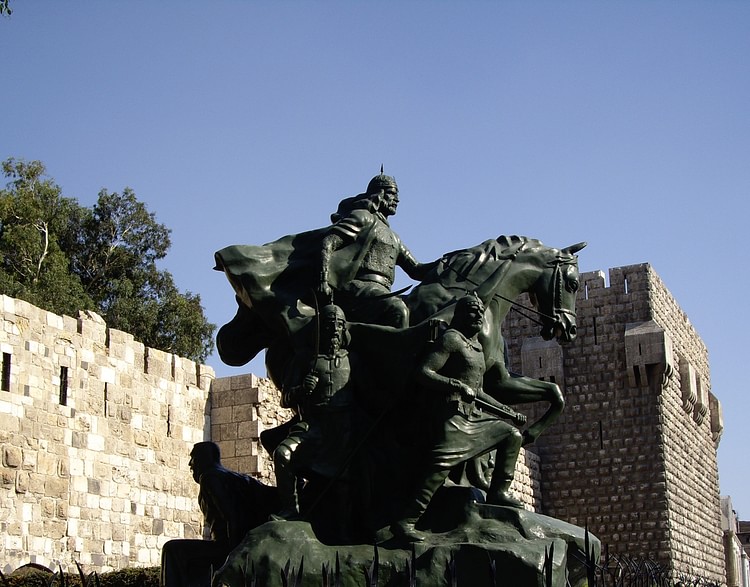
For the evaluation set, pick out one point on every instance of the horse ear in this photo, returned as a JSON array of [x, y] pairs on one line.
[[573, 249]]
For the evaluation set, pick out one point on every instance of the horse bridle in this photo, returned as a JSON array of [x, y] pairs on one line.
[[557, 286]]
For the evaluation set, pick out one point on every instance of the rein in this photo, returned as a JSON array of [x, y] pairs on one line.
[[556, 288]]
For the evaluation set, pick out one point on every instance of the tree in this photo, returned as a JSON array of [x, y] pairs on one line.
[[34, 218], [5, 7], [120, 241], [115, 258], [65, 257]]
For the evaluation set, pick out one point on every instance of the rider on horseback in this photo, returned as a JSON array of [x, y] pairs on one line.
[[364, 284]]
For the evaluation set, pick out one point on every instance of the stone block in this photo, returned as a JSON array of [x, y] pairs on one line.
[[246, 447], [56, 487], [47, 464], [12, 456], [243, 382], [243, 413], [221, 415], [249, 429]]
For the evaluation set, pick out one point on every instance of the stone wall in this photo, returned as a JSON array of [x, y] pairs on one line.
[[95, 433], [241, 408], [634, 453]]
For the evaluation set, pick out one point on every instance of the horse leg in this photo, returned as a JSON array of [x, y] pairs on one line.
[[516, 389]]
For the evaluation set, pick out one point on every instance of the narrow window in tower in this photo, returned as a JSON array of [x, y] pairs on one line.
[[63, 386], [596, 340], [637, 373], [106, 400], [626, 285], [6, 371]]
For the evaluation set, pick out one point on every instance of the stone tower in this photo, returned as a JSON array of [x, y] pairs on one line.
[[634, 454]]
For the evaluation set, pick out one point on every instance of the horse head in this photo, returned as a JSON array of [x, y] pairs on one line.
[[553, 294]]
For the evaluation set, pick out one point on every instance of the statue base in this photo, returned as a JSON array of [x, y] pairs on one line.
[[491, 545]]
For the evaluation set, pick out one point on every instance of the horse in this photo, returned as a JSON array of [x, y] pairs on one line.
[[498, 271], [272, 315]]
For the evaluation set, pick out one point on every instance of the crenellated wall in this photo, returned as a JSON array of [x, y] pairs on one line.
[[95, 433], [634, 454]]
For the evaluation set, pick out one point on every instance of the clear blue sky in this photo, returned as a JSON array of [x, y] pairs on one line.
[[625, 124]]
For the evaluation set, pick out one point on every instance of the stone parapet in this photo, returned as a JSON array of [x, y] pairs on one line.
[[95, 434]]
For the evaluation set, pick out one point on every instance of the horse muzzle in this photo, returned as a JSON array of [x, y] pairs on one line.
[[563, 329]]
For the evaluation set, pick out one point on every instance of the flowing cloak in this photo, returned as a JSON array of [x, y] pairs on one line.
[[275, 283]]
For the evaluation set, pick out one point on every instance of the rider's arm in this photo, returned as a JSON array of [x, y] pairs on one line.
[[428, 373], [341, 233], [413, 268]]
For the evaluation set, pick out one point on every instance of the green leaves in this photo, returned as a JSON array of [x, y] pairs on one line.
[[64, 257], [34, 218]]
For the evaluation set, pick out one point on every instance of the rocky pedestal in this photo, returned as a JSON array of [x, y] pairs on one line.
[[489, 546]]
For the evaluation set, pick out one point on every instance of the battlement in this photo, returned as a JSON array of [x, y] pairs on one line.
[[626, 279], [95, 430]]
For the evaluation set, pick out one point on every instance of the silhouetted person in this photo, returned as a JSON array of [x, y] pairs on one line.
[[363, 284], [232, 505]]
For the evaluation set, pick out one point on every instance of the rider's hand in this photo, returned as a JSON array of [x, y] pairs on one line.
[[519, 419], [310, 382], [324, 288], [468, 393]]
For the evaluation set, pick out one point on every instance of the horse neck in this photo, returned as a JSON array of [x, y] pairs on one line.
[[529, 268], [512, 278]]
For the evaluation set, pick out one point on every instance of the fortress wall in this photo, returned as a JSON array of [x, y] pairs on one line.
[[691, 432], [634, 453], [95, 435]]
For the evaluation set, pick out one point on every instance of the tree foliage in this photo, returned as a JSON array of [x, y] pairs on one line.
[[34, 219], [64, 257]]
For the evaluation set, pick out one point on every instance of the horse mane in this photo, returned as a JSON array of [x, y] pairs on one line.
[[506, 242], [510, 245], [465, 270]]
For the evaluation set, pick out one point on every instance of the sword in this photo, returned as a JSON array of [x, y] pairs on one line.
[[501, 410]]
